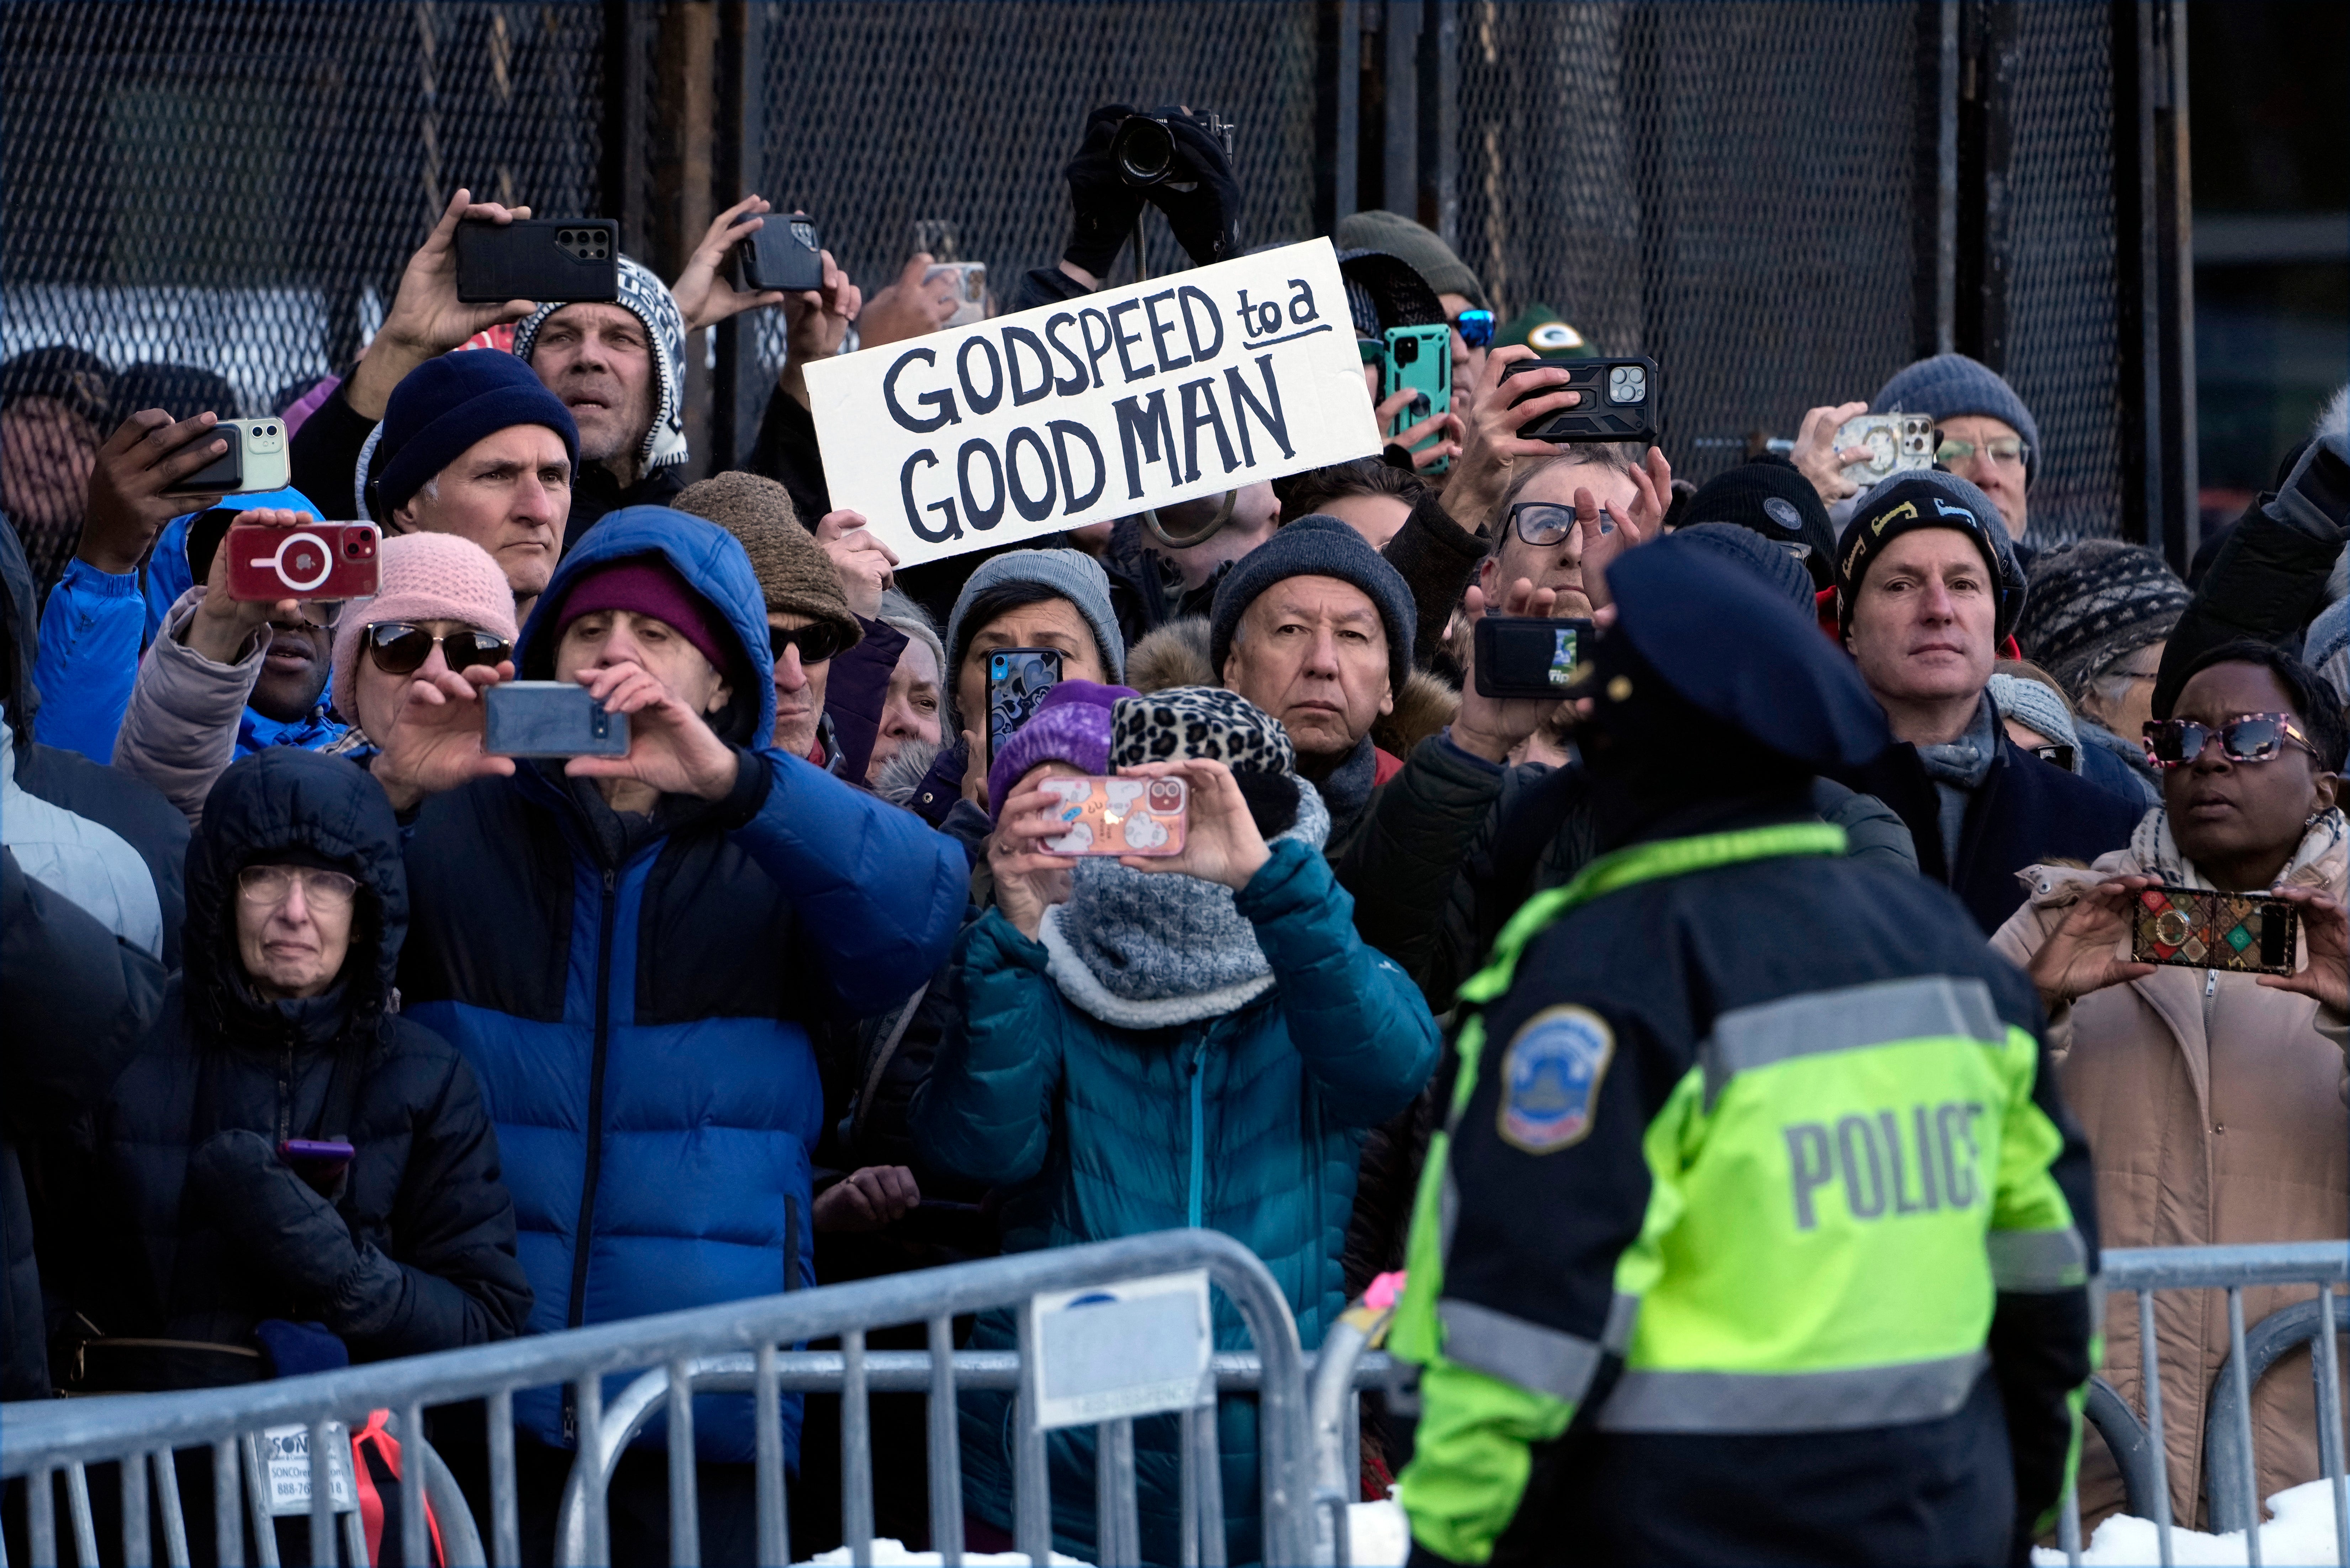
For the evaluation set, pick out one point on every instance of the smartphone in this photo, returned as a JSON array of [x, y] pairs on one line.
[[549, 718], [2240, 932], [971, 289], [1619, 400], [308, 561], [540, 259], [1895, 443], [1118, 816], [316, 1154], [255, 459], [1528, 656], [1419, 360], [1017, 680], [786, 251]]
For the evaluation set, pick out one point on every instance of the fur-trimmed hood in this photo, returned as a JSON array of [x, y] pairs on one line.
[[1177, 655]]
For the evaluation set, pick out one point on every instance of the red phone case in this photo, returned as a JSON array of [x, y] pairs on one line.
[[310, 561]]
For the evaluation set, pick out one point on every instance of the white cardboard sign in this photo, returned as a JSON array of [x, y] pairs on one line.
[[1134, 1348], [1184, 386]]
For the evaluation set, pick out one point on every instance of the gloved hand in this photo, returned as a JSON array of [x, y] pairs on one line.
[[286, 1226], [1105, 205], [1206, 215], [2316, 497]]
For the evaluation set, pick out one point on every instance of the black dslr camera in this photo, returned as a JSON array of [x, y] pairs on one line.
[[1144, 148]]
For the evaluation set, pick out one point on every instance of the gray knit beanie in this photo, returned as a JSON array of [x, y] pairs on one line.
[[1071, 573], [1315, 545], [2095, 601], [1948, 386], [2039, 709]]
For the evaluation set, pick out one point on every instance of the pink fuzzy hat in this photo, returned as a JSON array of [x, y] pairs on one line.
[[426, 576]]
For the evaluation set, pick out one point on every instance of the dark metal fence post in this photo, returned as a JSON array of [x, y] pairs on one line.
[[1985, 143], [1439, 117], [1337, 118], [1937, 177], [2155, 278]]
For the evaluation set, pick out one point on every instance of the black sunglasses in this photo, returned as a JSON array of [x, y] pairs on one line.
[[817, 642], [2246, 738], [398, 648]]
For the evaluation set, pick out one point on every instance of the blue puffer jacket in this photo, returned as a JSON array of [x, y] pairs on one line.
[[635, 1002], [1251, 1123]]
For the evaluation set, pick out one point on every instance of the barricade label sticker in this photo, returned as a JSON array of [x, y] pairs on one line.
[[1183, 386], [285, 1469], [1134, 1348]]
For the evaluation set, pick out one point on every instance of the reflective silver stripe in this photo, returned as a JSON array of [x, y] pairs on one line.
[[1651, 1401], [1847, 1019], [1515, 1351], [1623, 1312], [2038, 1259]]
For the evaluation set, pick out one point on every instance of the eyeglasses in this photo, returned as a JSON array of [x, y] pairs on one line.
[[2246, 738], [271, 885], [1545, 523], [398, 648], [1475, 327], [2056, 753], [817, 642], [2009, 451]]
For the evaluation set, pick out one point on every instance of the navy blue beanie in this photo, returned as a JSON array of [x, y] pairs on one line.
[[1316, 545], [444, 406], [1952, 386]]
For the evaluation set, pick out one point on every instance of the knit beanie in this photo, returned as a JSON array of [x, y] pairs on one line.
[[1071, 573], [1071, 725], [444, 406], [649, 586], [2095, 601], [426, 576], [1773, 564], [1417, 246], [795, 574], [1927, 498], [2037, 707], [1771, 495], [1948, 386], [646, 297], [1316, 545], [1185, 721]]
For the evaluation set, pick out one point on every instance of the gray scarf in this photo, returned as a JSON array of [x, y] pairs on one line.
[[1144, 950], [1958, 770], [1347, 791]]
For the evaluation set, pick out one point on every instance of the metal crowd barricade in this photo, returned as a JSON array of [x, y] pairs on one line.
[[44, 1439], [2231, 1484]]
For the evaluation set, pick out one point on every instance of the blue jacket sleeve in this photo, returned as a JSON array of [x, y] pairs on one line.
[[985, 1111], [878, 894], [1369, 1042], [91, 631]]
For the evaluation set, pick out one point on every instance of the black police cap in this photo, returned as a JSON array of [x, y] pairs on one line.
[[1727, 646]]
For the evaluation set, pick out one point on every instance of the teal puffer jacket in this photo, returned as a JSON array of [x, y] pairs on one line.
[[1250, 1123]]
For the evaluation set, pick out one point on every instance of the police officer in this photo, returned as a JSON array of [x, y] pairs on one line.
[[1756, 1232]]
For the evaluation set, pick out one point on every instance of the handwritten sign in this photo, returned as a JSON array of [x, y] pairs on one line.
[[1133, 398]]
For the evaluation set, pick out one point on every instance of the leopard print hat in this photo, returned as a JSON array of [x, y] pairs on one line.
[[1199, 722]]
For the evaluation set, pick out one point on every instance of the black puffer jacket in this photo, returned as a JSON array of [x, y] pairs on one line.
[[196, 1230]]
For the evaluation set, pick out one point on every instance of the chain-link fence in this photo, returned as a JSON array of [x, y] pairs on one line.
[[1743, 191]]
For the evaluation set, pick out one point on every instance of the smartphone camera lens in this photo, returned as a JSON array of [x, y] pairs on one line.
[[1627, 384], [1406, 351]]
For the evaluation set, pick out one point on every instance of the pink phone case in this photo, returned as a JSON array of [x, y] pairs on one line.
[[1118, 816]]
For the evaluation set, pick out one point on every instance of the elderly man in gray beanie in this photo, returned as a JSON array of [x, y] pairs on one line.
[[1316, 628]]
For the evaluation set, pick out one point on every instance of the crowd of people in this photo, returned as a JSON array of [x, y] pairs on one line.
[[1832, 850]]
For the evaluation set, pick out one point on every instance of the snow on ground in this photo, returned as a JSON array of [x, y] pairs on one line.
[[1379, 1532], [2299, 1532], [1381, 1538]]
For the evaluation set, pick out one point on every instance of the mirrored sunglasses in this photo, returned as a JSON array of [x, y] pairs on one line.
[[397, 648], [2246, 738], [1475, 327]]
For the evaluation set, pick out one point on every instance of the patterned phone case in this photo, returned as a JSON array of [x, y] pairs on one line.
[[1118, 816], [2240, 932]]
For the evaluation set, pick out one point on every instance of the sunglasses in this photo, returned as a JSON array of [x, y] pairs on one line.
[[1545, 523], [1475, 327], [2007, 450], [816, 643], [269, 885], [2246, 738], [398, 648]]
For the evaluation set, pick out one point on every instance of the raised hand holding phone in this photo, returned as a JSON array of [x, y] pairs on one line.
[[672, 750], [436, 740], [1029, 880], [1220, 842]]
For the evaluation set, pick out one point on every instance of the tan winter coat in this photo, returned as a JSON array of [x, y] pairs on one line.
[[2215, 1113]]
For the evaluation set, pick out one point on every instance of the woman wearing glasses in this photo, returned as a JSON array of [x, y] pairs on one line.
[[2214, 1099]]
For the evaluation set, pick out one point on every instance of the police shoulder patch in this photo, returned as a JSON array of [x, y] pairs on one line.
[[1550, 1079]]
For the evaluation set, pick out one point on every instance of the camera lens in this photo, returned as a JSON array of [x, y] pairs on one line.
[[1144, 150], [269, 429], [1406, 351]]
